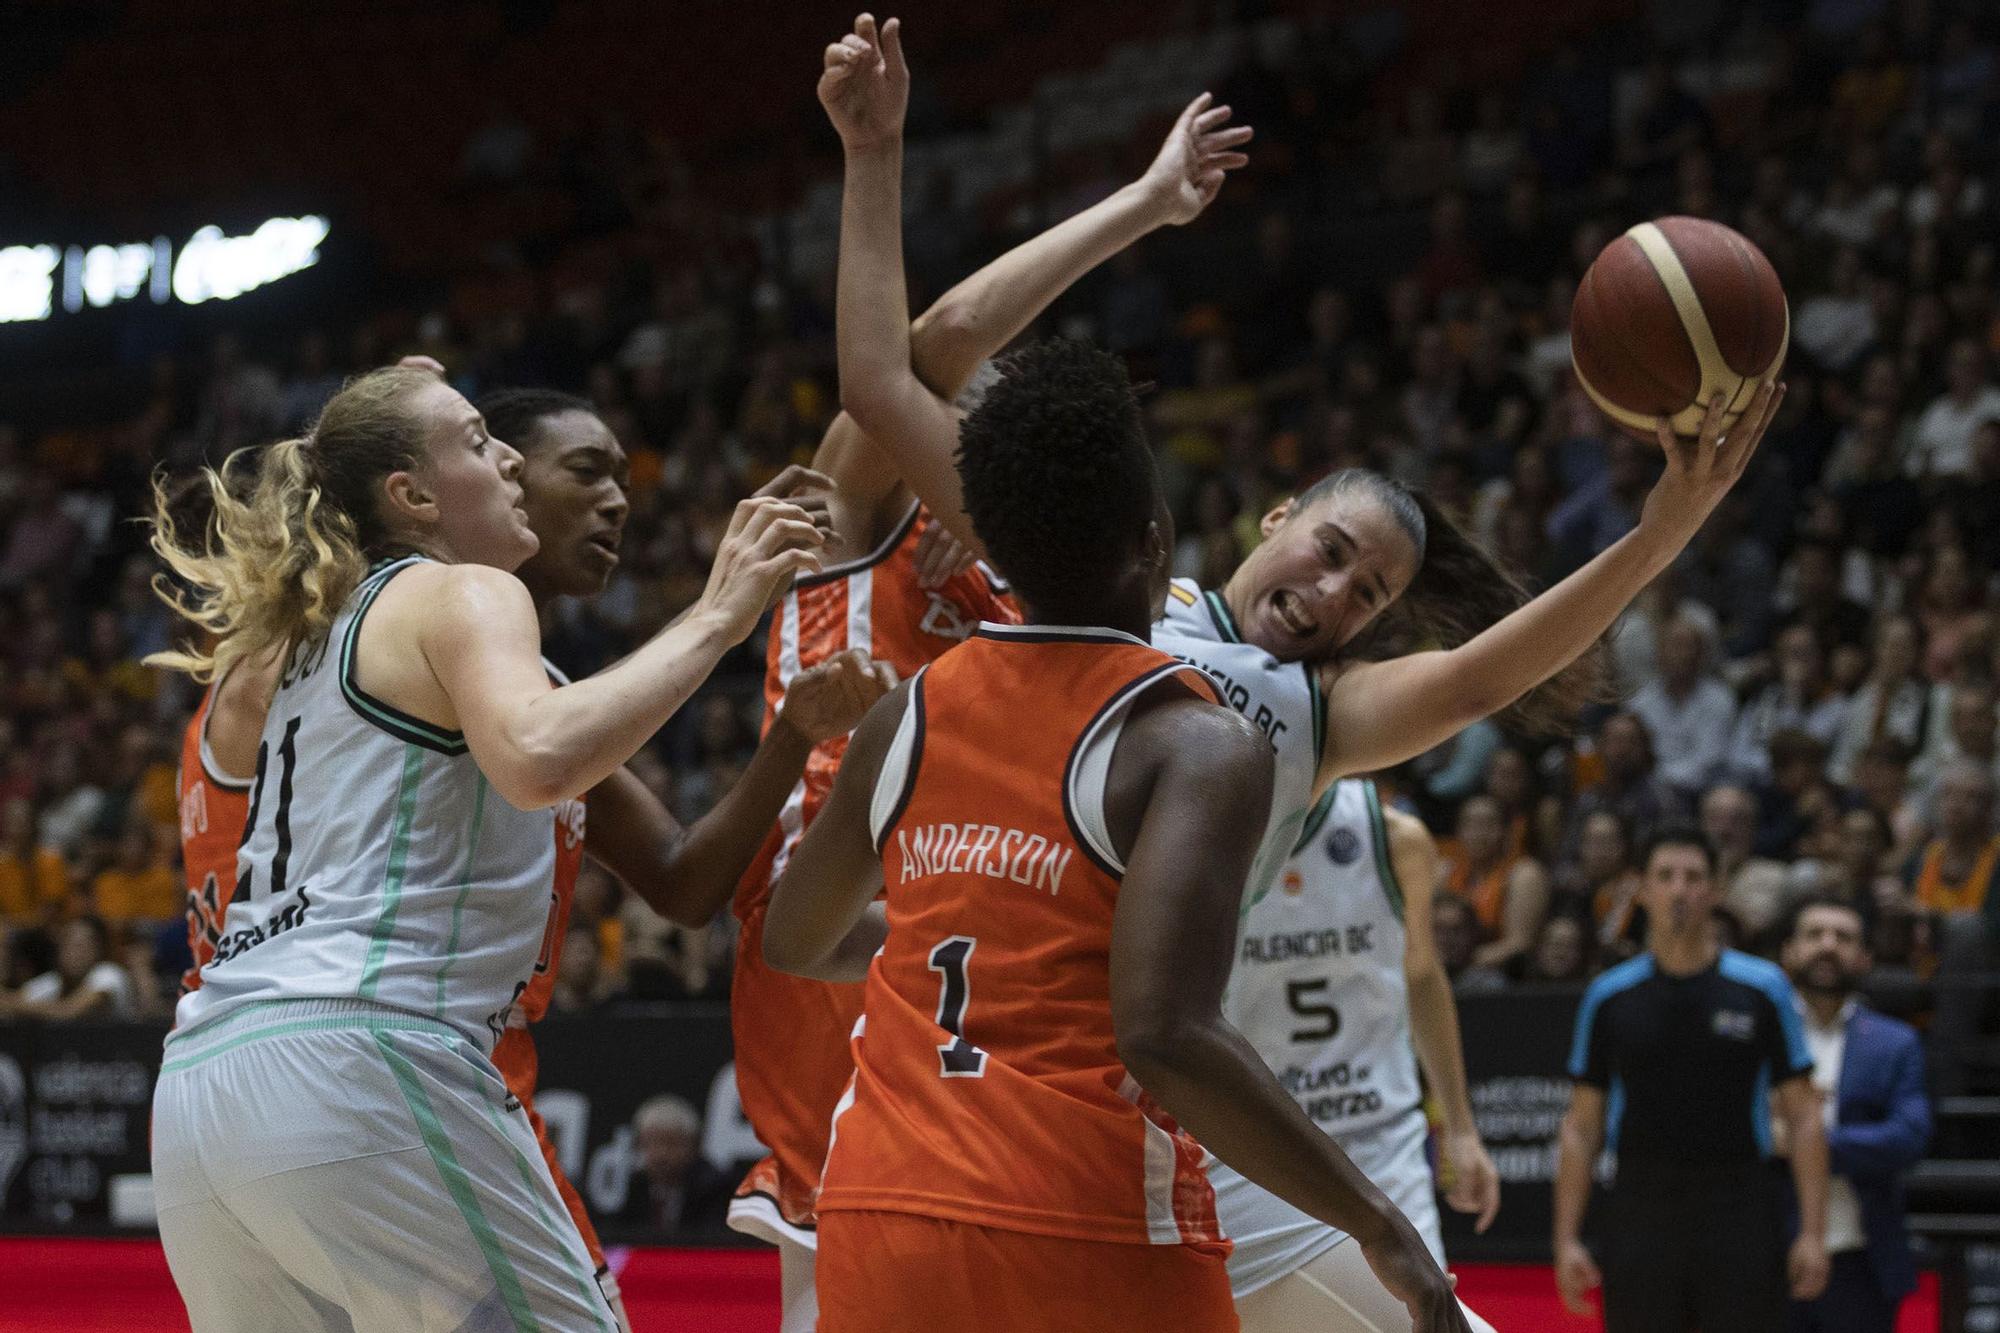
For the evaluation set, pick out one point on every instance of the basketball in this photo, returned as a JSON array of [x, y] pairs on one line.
[[1670, 314]]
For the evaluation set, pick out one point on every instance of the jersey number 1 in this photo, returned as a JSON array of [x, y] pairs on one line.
[[957, 1058]]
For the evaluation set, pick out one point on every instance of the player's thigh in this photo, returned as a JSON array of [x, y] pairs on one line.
[[463, 1229], [1335, 1293], [230, 1282]]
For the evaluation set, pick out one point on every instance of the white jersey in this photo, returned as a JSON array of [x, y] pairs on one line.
[[1282, 698], [1318, 987], [378, 863]]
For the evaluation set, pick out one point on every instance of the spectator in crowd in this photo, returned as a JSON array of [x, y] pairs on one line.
[[1508, 891], [1801, 698], [1890, 703], [580, 982], [140, 886], [674, 1190], [1818, 600], [1941, 445], [1869, 1072], [1688, 713], [1753, 887], [85, 983], [1696, 1040], [1562, 950], [1971, 735], [1455, 928], [1955, 870], [1628, 786], [34, 879], [1604, 882], [1951, 607], [1882, 782]]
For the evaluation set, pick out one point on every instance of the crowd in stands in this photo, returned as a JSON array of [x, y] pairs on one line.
[[1389, 287]]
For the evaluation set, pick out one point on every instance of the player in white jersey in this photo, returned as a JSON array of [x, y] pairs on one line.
[[332, 1146], [1460, 640], [1338, 986]]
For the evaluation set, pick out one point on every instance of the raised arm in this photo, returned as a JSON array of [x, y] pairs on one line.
[[1380, 714], [1474, 1184], [821, 921], [687, 874], [897, 393], [1195, 780], [480, 640]]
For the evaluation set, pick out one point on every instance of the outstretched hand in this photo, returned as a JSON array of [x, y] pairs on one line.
[[1197, 155], [864, 84], [1701, 471]]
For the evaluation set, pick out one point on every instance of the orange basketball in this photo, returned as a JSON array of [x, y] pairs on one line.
[[1670, 314]]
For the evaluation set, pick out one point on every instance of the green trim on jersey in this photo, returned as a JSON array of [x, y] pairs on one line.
[[403, 726], [479, 790], [1385, 867], [1316, 819], [392, 879], [459, 1185], [329, 1023], [586, 1283], [1225, 624]]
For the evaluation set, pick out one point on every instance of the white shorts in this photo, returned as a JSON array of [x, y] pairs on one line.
[[332, 1164], [1272, 1238]]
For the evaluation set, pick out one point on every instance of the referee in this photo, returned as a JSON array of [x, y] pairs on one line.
[[1681, 1055]]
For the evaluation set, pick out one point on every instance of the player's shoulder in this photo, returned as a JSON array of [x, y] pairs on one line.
[[1405, 832], [457, 594], [1199, 736]]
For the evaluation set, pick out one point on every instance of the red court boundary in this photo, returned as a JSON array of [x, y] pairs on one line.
[[57, 1285]]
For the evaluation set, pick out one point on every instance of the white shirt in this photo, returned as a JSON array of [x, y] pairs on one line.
[[1942, 442], [1827, 1045], [107, 977], [1690, 735]]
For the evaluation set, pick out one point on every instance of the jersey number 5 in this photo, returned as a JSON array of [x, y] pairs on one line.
[[1302, 996], [957, 1058]]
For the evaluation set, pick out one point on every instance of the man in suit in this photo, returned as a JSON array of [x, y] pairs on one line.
[[1870, 1070]]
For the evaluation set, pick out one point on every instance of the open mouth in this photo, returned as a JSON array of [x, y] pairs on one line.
[[1291, 613]]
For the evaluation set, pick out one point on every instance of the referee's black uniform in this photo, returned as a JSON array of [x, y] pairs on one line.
[[1696, 1234]]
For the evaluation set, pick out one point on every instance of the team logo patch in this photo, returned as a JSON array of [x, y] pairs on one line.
[[1735, 1024], [1344, 846]]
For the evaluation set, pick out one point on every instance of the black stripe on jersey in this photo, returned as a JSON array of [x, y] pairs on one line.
[[388, 717], [875, 557], [1124, 695], [1054, 634], [915, 703]]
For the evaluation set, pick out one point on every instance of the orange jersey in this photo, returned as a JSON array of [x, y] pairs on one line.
[[213, 810], [791, 1033], [987, 1085]]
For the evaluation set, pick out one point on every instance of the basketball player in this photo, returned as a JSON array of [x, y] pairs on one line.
[[1297, 639], [792, 1060], [1336, 981], [1062, 817], [573, 480], [394, 883], [218, 762]]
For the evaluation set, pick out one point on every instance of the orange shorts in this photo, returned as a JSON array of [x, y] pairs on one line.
[[518, 1063], [901, 1273], [793, 1063]]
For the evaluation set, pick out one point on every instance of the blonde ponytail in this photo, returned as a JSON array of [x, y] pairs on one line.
[[274, 566]]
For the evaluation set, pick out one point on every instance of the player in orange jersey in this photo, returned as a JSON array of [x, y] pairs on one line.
[[218, 762], [792, 1057], [1059, 819]]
